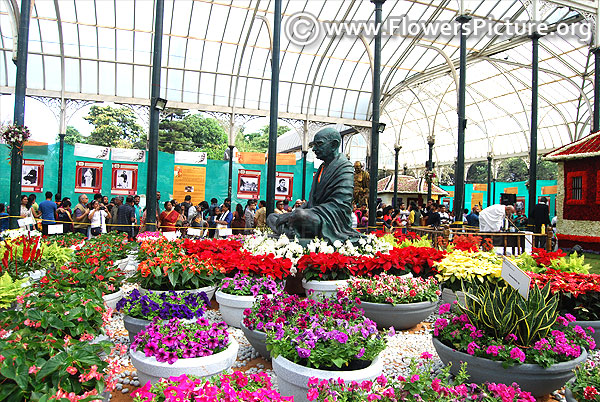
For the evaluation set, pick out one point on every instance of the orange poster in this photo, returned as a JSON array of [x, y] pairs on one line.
[[476, 199], [511, 190], [252, 158], [450, 193], [549, 190], [286, 159], [189, 180], [479, 187]]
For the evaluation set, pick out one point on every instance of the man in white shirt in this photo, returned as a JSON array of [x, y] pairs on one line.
[[492, 218]]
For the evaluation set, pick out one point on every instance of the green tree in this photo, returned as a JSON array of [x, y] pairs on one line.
[[207, 135], [547, 170], [257, 141], [512, 170], [115, 127], [447, 175], [477, 173], [173, 133], [72, 136]]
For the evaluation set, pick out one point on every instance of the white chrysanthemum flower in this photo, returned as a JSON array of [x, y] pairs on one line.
[[337, 244]]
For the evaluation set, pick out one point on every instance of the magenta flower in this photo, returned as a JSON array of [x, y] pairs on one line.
[[517, 354]]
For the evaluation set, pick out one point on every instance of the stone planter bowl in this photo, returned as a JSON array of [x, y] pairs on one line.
[[209, 290], [134, 325], [232, 307], [594, 324], [149, 369], [533, 378], [324, 288], [449, 296], [400, 316], [112, 299], [292, 378], [257, 339]]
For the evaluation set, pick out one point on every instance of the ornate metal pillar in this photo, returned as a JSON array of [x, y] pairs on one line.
[[430, 144], [535, 39], [489, 179], [396, 153]]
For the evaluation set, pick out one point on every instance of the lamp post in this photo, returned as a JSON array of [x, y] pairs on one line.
[[430, 144], [535, 40], [397, 149], [489, 179]]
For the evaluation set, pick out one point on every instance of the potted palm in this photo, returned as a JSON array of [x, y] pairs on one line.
[[502, 336]]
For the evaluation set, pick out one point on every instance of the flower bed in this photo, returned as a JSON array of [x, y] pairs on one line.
[[232, 387], [246, 285], [461, 268]]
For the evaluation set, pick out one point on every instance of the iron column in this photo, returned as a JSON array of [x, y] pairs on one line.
[[489, 180], [230, 171], [273, 109], [459, 190], [16, 152], [61, 150], [151, 188], [304, 154], [535, 38], [596, 120], [430, 144], [374, 158], [396, 153]]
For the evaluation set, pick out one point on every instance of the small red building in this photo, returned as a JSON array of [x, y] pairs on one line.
[[578, 197]]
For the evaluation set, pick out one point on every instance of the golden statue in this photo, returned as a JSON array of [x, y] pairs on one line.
[[361, 185]]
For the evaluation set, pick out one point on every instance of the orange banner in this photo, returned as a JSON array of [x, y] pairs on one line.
[[476, 199], [549, 190], [189, 180], [258, 158], [479, 187], [286, 159], [450, 193], [511, 190]]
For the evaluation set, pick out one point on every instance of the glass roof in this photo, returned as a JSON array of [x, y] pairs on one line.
[[216, 56]]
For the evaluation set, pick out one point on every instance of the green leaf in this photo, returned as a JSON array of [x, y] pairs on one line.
[[52, 365]]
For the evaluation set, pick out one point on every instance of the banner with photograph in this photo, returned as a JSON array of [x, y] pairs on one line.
[[92, 151], [192, 158], [32, 176], [248, 184], [284, 185], [88, 177], [189, 180], [124, 179], [128, 155]]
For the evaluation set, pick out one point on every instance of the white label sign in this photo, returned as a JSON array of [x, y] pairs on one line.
[[194, 232], [92, 151], [55, 229], [192, 158], [515, 277], [128, 155], [170, 235]]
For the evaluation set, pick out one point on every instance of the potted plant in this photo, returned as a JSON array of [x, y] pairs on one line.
[[422, 383], [503, 336], [239, 293], [140, 309], [309, 342], [238, 386], [325, 273], [578, 297], [173, 348], [394, 301], [9, 291], [586, 384], [461, 269]]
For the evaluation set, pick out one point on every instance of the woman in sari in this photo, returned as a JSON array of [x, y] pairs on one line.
[[168, 218]]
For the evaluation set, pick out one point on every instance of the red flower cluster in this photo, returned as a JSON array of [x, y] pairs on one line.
[[228, 255], [544, 258], [567, 282]]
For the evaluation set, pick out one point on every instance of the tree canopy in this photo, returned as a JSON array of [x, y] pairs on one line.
[[257, 141], [115, 127], [72, 136]]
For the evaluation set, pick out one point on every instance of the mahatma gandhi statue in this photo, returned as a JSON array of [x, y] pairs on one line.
[[327, 213]]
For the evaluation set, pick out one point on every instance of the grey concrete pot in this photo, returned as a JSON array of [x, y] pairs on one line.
[[324, 288], [400, 316], [209, 290], [112, 299], [533, 378], [292, 378], [594, 324], [149, 369], [257, 339], [232, 307], [449, 296], [134, 325], [569, 394]]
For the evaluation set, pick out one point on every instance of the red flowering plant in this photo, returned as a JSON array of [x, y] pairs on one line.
[[471, 243], [20, 256], [97, 277], [65, 240], [578, 294], [238, 386], [423, 383], [390, 289], [496, 323], [586, 386], [545, 258], [327, 266]]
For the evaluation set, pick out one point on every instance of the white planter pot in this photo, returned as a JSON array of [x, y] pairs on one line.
[[293, 378], [112, 299], [400, 316], [209, 290], [232, 307], [149, 369], [324, 288]]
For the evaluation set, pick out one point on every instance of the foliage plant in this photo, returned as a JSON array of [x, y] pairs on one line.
[[578, 294], [422, 383], [572, 263], [168, 305], [175, 339], [10, 289], [100, 278], [238, 386], [390, 289], [586, 386], [43, 366], [311, 336], [460, 268], [246, 285], [498, 324]]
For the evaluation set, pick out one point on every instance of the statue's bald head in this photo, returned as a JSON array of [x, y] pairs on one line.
[[329, 134], [326, 143]]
